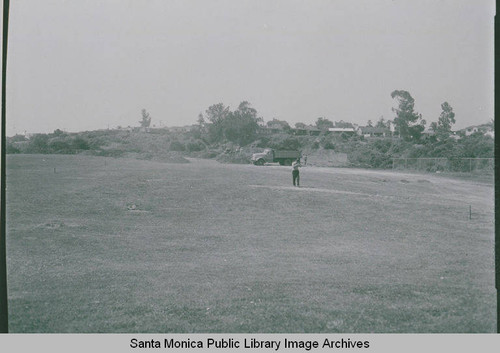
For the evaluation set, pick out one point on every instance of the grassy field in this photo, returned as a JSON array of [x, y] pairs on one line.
[[120, 245]]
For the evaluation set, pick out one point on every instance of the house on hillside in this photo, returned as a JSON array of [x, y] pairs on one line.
[[127, 128], [370, 131], [307, 131], [485, 129], [186, 128], [471, 130], [350, 131], [275, 125], [266, 130], [427, 134], [272, 129]]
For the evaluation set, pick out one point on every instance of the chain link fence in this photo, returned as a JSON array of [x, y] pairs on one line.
[[463, 165]]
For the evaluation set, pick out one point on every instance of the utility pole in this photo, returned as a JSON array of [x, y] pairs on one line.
[[4, 322]]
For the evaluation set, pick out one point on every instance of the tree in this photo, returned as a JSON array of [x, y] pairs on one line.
[[323, 123], [282, 123], [381, 123], [369, 123], [146, 119], [198, 130], [241, 125], [446, 119], [201, 120], [216, 114], [245, 110], [39, 144], [343, 124], [79, 143], [58, 132], [17, 138], [300, 125], [409, 124]]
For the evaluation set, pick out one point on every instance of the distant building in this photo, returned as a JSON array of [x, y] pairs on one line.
[[485, 129], [307, 131], [186, 128], [272, 129], [370, 131], [342, 130], [273, 125], [427, 133], [471, 130], [128, 128], [490, 133]]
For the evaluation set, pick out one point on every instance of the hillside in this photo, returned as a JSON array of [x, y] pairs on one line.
[[324, 149]]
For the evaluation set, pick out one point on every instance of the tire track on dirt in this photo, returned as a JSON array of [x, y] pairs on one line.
[[331, 191]]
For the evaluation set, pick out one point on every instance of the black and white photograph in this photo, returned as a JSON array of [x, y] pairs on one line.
[[250, 166]]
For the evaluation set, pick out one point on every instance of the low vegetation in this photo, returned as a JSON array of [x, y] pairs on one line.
[[162, 144], [232, 136]]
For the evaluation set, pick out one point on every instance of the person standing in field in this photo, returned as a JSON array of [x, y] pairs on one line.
[[295, 172]]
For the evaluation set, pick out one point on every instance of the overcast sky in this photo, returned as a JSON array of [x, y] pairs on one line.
[[85, 65]]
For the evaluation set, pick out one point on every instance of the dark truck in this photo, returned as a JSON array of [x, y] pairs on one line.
[[271, 156]]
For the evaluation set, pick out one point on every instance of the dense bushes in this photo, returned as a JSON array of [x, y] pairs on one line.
[[477, 146], [195, 146], [370, 155], [379, 153], [367, 153], [287, 143], [49, 143], [39, 144], [177, 146]]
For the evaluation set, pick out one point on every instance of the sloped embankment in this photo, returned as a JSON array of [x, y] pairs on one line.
[[326, 158]]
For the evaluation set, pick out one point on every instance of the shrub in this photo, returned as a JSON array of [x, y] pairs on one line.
[[263, 142], [39, 144], [327, 143], [195, 146], [177, 146], [11, 149], [209, 154], [17, 138], [80, 143], [290, 143], [60, 145]]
